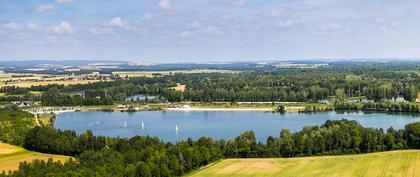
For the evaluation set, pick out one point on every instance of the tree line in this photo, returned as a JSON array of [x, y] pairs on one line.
[[383, 105], [53, 97], [149, 156], [296, 85]]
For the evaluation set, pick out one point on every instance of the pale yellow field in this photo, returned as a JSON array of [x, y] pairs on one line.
[[150, 73], [11, 156], [9, 149], [395, 163], [180, 88], [8, 76], [28, 80], [29, 84]]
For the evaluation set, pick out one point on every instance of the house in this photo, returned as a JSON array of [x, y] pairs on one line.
[[121, 106], [77, 94], [25, 103]]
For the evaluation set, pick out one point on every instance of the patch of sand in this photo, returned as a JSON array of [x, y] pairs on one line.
[[256, 164], [12, 162], [8, 149], [180, 87], [11, 156]]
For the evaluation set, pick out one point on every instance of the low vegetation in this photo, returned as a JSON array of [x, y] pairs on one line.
[[394, 163], [14, 125], [12, 156]]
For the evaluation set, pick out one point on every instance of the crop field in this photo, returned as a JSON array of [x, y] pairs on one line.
[[11, 156], [394, 163], [42, 83], [163, 73], [31, 79]]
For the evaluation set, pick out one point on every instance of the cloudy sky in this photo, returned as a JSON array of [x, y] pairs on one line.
[[208, 30]]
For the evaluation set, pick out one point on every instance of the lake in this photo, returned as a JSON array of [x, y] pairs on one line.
[[218, 125]]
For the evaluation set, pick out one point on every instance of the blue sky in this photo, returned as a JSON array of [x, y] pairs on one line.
[[208, 30]]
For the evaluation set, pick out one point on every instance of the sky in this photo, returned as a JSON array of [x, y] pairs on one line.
[[208, 30]]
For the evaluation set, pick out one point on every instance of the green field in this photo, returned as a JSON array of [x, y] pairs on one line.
[[395, 163], [11, 156]]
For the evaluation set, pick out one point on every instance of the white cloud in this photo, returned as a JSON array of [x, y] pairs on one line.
[[212, 30], [196, 24], [276, 13], [12, 26], [146, 16], [185, 34], [380, 20], [64, 1], [384, 29], [239, 2], [200, 33], [63, 28], [287, 23], [332, 29], [33, 26], [165, 5], [115, 22], [45, 8], [100, 31]]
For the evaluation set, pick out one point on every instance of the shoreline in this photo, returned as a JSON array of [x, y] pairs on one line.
[[56, 112], [220, 109]]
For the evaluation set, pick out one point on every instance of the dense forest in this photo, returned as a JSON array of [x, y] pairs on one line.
[[374, 83], [148, 156]]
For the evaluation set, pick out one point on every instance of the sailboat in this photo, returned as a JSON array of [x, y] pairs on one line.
[[125, 124], [176, 129], [142, 125]]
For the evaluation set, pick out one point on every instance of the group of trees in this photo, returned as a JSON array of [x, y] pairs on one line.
[[380, 106], [53, 97], [14, 90], [100, 156], [53, 141], [147, 156], [14, 125], [331, 138]]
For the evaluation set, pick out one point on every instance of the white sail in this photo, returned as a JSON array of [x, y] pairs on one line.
[[142, 125], [176, 129], [125, 124]]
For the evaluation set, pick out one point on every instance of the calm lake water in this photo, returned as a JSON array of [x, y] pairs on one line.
[[215, 124]]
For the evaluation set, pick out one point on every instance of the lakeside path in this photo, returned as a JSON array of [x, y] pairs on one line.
[[221, 109], [36, 120]]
